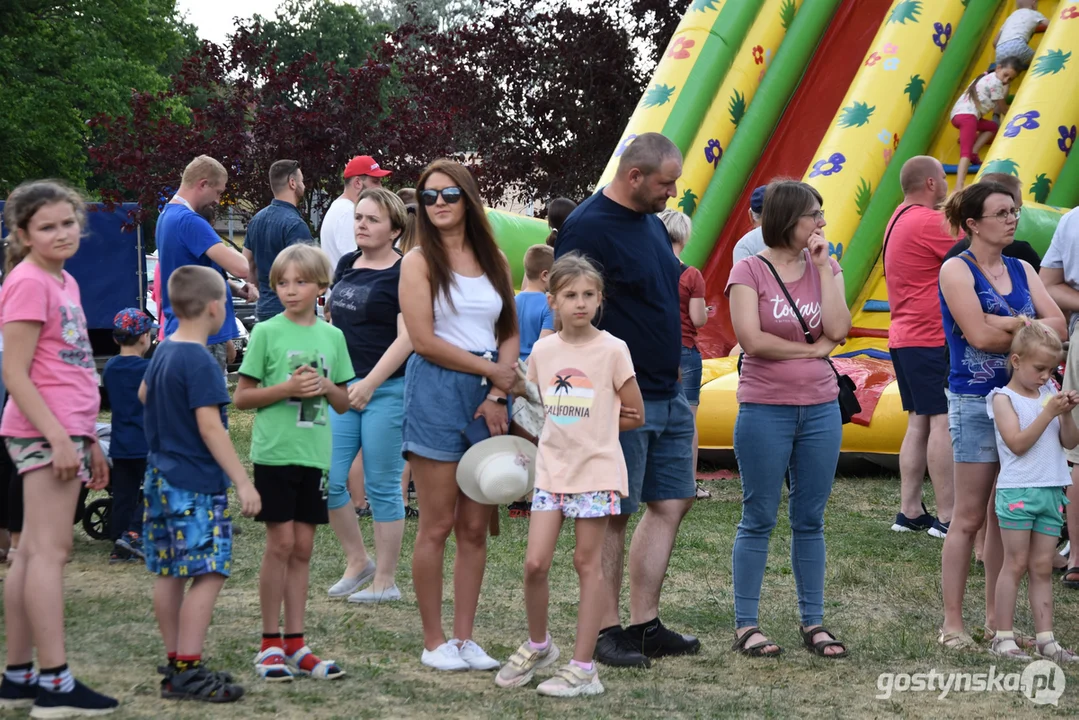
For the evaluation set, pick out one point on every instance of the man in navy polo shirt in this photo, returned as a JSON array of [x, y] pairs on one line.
[[274, 228], [617, 229]]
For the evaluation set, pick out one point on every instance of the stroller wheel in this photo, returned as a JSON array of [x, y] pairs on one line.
[[95, 519]]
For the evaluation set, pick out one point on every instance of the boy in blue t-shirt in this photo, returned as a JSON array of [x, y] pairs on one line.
[[187, 528], [131, 329], [534, 318]]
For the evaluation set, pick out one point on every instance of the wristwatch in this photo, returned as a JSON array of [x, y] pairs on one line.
[[497, 399]]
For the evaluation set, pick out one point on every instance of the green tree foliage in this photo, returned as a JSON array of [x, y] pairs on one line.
[[63, 62]]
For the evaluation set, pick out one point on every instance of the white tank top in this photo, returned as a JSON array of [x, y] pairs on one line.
[[470, 323]]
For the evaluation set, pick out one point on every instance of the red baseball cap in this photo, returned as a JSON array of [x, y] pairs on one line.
[[364, 165]]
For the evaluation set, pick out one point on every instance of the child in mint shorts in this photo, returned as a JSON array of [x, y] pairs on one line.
[[1033, 426]]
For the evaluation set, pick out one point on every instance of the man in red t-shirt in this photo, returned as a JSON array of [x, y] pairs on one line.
[[914, 247]]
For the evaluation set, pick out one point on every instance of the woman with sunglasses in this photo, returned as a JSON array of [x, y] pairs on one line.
[[457, 302], [982, 293]]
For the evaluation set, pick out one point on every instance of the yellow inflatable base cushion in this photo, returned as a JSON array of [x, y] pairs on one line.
[[719, 408]]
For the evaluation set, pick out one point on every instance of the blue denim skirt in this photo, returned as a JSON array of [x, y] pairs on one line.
[[439, 405]]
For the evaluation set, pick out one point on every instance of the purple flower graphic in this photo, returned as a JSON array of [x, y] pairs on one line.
[[1067, 138], [625, 144], [828, 166], [891, 63], [713, 152], [1023, 121], [941, 35]]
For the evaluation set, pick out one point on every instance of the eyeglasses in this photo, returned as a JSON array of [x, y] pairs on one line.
[[818, 215], [1005, 215], [450, 194]]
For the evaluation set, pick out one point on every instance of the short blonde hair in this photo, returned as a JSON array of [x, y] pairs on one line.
[[311, 263], [678, 225], [204, 167], [391, 204], [192, 288]]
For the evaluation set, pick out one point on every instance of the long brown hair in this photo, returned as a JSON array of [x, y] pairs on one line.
[[969, 204], [1008, 62], [478, 236]]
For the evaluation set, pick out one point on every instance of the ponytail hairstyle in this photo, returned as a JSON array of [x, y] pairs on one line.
[[568, 268], [1033, 335], [21, 206], [969, 204], [557, 211], [478, 236], [408, 238], [972, 89]]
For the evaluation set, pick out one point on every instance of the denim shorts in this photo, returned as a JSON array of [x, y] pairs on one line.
[[691, 374], [659, 454], [973, 436], [439, 405]]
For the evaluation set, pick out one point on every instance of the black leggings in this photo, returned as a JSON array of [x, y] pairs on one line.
[[126, 481]]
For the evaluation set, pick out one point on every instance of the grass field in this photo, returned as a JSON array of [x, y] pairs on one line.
[[882, 599]]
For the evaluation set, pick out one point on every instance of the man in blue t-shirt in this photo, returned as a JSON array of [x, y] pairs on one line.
[[274, 228], [617, 229], [185, 237]]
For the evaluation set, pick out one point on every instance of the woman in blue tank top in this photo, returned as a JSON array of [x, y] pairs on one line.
[[981, 295]]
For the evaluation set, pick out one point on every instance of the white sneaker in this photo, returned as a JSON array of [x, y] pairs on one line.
[[446, 657], [474, 655], [374, 597], [348, 585], [571, 681]]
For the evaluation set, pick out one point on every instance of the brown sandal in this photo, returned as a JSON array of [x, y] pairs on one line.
[[757, 648], [817, 648]]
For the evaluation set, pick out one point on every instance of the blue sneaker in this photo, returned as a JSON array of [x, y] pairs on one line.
[[939, 529], [918, 524], [80, 702], [14, 696]]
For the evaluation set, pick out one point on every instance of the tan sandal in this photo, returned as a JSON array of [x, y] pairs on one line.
[[986, 636], [957, 641]]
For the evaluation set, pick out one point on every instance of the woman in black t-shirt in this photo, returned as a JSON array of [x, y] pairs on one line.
[[365, 307]]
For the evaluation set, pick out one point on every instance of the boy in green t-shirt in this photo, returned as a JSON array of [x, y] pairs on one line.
[[295, 366]]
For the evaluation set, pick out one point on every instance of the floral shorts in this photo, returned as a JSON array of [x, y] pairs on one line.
[[578, 505], [29, 454]]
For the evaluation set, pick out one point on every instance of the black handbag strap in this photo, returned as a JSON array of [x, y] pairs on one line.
[[888, 234], [794, 307]]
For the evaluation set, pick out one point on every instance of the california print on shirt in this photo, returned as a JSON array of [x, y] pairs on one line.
[[568, 397]]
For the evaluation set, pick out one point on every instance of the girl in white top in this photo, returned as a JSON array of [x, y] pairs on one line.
[[985, 93], [590, 395], [1033, 426], [456, 295]]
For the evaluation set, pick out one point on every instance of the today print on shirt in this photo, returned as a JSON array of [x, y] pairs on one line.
[[782, 311]]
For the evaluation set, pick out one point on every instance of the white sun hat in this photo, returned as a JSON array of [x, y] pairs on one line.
[[498, 470]]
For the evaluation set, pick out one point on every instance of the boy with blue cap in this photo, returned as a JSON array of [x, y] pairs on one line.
[[132, 330]]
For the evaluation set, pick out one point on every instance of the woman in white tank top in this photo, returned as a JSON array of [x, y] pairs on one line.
[[457, 302]]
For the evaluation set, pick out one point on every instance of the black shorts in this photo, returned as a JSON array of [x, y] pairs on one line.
[[292, 493], [922, 374]]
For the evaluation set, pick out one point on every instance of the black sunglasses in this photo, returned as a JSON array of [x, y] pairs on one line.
[[450, 194]]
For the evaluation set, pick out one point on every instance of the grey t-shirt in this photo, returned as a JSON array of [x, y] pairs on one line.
[[750, 244], [1063, 254]]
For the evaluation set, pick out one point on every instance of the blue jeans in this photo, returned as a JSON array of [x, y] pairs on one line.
[[769, 440], [377, 431], [691, 375]]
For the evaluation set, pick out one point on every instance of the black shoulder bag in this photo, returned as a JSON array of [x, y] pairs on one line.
[[884, 248], [848, 401]]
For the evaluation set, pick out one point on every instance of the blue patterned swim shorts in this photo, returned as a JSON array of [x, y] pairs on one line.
[[186, 533]]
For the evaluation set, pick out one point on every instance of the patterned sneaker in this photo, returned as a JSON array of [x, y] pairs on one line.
[[571, 681], [14, 696], [524, 663], [475, 656], [131, 542], [80, 702]]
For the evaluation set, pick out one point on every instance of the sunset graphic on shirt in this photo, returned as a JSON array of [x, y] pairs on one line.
[[568, 397]]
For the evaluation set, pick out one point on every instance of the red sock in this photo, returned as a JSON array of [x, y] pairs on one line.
[[270, 640], [187, 662], [294, 643]]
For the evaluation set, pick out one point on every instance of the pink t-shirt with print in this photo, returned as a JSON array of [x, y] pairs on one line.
[[804, 381], [62, 368], [578, 447]]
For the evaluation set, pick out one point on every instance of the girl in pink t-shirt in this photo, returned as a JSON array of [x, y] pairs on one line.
[[590, 395], [48, 426]]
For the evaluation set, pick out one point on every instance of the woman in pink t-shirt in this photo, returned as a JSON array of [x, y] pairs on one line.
[[48, 427], [586, 377], [788, 416]]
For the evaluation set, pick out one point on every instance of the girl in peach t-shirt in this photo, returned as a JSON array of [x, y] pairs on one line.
[[590, 394]]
